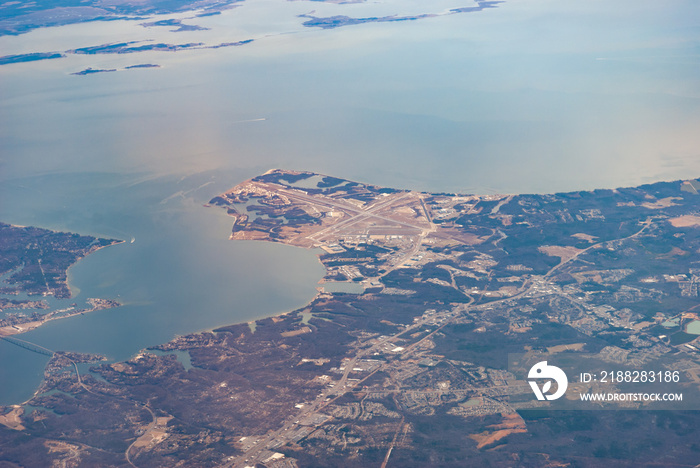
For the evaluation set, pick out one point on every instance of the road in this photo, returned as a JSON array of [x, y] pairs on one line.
[[330, 395], [151, 426], [282, 436]]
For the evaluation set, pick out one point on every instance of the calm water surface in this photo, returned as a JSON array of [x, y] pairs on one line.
[[180, 275]]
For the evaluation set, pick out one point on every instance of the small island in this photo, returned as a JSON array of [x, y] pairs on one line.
[[142, 65], [175, 22], [92, 71], [332, 22], [20, 58]]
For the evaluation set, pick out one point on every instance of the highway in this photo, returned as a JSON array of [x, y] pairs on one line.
[[281, 436]]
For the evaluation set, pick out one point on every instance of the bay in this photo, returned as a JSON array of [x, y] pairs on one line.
[[180, 275]]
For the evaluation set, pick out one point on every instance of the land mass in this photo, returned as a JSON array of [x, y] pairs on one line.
[[20, 17], [116, 48], [92, 71], [332, 22], [35, 262], [7, 59], [175, 22], [17, 17], [414, 371]]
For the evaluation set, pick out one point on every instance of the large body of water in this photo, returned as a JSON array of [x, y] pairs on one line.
[[533, 96], [180, 275]]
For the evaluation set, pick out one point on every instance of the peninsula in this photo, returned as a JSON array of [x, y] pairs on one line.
[[415, 370], [35, 262]]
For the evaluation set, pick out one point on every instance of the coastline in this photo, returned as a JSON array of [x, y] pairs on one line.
[[20, 327], [449, 277], [73, 289], [16, 323]]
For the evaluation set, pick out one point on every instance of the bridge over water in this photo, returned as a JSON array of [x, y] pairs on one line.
[[28, 345]]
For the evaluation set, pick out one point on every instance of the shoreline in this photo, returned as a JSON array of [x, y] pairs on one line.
[[70, 287], [500, 197], [17, 324], [22, 327]]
